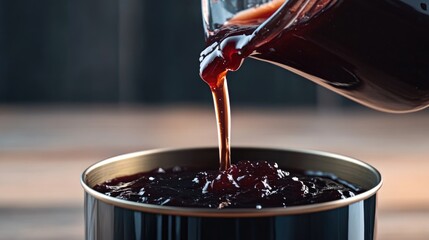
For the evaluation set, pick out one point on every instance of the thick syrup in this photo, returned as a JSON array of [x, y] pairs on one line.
[[244, 185]]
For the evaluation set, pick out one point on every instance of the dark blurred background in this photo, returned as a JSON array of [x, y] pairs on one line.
[[130, 51]]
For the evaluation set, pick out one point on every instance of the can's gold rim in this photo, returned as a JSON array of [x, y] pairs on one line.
[[229, 213]]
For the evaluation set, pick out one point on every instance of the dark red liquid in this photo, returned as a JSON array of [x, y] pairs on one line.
[[244, 185], [375, 52]]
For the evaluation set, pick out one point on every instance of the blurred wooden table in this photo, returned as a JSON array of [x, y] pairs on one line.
[[43, 150]]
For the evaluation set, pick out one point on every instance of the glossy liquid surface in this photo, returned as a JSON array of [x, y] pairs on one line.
[[244, 185]]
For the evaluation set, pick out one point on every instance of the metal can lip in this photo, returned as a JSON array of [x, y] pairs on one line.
[[231, 213]]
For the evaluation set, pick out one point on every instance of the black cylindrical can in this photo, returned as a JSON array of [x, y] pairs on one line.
[[108, 218]]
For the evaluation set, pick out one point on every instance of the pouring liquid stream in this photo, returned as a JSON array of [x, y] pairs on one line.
[[228, 51]]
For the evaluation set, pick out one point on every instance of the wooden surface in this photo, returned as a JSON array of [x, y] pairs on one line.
[[43, 151]]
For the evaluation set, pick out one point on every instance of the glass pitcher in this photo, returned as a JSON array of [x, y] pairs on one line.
[[373, 52]]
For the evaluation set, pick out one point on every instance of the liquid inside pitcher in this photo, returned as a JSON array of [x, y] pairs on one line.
[[374, 52]]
